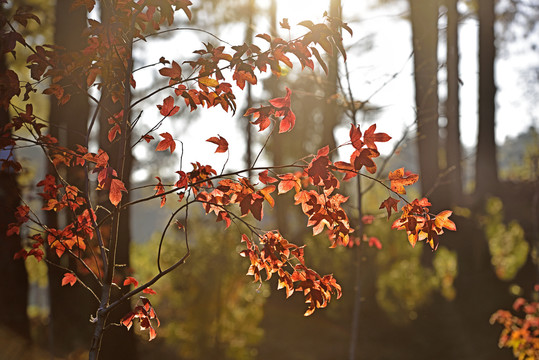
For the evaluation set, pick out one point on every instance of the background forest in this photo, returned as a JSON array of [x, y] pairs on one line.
[[399, 302]]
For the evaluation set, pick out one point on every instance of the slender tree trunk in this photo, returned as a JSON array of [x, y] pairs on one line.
[[70, 307], [424, 16], [331, 112], [486, 167], [117, 342], [452, 145], [14, 278], [248, 126]]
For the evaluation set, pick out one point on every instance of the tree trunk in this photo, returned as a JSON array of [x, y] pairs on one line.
[[117, 342], [14, 279], [331, 112], [70, 307], [452, 146], [486, 167], [424, 16]]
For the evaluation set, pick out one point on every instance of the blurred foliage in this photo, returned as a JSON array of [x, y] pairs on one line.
[[208, 307], [507, 245], [519, 157]]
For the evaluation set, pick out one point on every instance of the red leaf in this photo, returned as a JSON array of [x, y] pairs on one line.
[[367, 219], [375, 242], [131, 280], [265, 178], [69, 278], [168, 142], [113, 132], [370, 137], [389, 203], [355, 137], [222, 144], [149, 291], [283, 102], [115, 193], [168, 108], [288, 122], [147, 138], [174, 72]]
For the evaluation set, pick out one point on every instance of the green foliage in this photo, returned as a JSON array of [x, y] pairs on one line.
[[210, 309], [507, 245]]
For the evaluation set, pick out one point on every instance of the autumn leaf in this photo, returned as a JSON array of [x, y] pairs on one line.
[[283, 102], [288, 122], [147, 138], [369, 138], [355, 137], [115, 192], [130, 280], [399, 180], [388, 204], [373, 241], [222, 144], [206, 81], [69, 278], [174, 73], [149, 291], [284, 24], [168, 108], [442, 220], [265, 178], [167, 143]]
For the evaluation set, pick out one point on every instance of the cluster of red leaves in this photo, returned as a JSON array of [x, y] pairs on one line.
[[276, 255], [145, 313], [279, 107], [520, 333]]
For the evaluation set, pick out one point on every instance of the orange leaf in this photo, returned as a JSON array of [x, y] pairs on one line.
[[370, 137], [266, 193], [399, 180], [115, 193], [206, 81], [442, 220], [168, 142], [265, 178], [69, 278], [222, 144]]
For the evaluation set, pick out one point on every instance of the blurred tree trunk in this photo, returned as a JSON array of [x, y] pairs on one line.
[[249, 33], [452, 146], [486, 167], [424, 17], [70, 328], [331, 113], [117, 343], [14, 276]]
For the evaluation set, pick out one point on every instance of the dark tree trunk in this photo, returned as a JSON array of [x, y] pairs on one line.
[[486, 167], [424, 16], [14, 278], [70, 307], [117, 343], [452, 146]]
